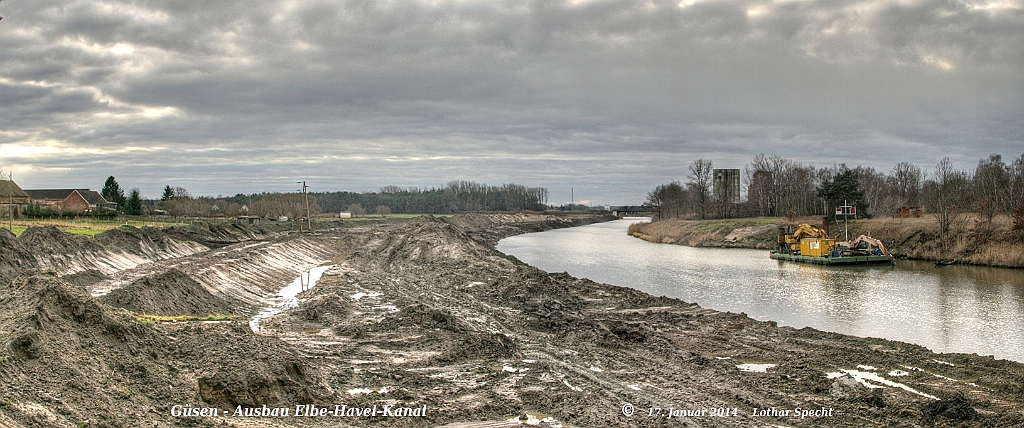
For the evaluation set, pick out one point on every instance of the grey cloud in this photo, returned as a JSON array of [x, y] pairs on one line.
[[545, 91]]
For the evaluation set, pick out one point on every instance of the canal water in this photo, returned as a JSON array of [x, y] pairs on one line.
[[948, 309]]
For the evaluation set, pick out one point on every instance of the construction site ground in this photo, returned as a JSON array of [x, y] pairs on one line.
[[422, 323]]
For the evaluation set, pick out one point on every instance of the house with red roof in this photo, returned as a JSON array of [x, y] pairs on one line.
[[69, 200]]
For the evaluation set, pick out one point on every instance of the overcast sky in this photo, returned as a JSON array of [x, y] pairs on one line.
[[610, 97]]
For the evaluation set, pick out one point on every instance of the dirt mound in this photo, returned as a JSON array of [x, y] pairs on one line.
[[62, 347], [169, 293], [66, 360], [85, 278], [52, 239], [428, 241], [50, 248], [425, 317], [6, 236], [476, 346], [212, 235], [955, 408], [125, 237], [493, 227], [324, 310], [12, 255], [146, 241], [250, 370]]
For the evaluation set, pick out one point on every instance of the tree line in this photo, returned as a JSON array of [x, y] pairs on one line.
[[457, 196], [778, 186]]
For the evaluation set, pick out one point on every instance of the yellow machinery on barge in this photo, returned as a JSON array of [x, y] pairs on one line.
[[808, 244]]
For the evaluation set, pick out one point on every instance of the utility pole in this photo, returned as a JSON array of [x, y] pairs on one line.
[[10, 201], [309, 226]]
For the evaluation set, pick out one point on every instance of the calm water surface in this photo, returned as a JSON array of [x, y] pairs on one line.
[[949, 309]]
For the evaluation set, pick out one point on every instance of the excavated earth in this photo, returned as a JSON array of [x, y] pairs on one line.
[[426, 321]]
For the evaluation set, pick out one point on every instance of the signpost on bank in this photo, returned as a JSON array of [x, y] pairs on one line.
[[846, 210]]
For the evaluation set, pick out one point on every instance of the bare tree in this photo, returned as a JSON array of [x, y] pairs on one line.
[[759, 188], [183, 204], [991, 187], [356, 210], [905, 179], [1015, 195], [291, 205], [699, 185], [668, 200], [946, 196], [878, 194], [780, 185]]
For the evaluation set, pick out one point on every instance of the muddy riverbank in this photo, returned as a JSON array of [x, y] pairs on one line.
[[425, 314]]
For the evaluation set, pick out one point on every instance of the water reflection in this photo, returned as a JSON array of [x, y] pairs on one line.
[[949, 309]]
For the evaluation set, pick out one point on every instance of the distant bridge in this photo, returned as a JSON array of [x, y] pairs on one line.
[[633, 212]]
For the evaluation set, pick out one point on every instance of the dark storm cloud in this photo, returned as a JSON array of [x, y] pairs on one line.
[[234, 96]]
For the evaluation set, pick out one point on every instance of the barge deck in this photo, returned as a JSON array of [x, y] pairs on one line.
[[851, 260]]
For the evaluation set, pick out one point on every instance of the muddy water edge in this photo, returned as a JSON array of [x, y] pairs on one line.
[[968, 309]]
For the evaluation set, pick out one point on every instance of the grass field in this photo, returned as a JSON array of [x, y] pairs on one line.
[[88, 228]]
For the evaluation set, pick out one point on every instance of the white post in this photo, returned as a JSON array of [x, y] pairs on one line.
[[846, 219]]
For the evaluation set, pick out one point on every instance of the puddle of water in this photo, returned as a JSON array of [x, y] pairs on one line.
[[574, 388], [285, 298], [755, 368], [360, 295], [357, 391], [872, 380], [535, 420]]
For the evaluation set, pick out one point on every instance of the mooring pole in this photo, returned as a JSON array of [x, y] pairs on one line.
[[846, 219]]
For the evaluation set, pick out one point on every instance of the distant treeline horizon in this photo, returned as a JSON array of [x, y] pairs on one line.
[[457, 196]]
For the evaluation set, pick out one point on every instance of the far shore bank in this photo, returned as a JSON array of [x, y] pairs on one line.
[[976, 243]]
